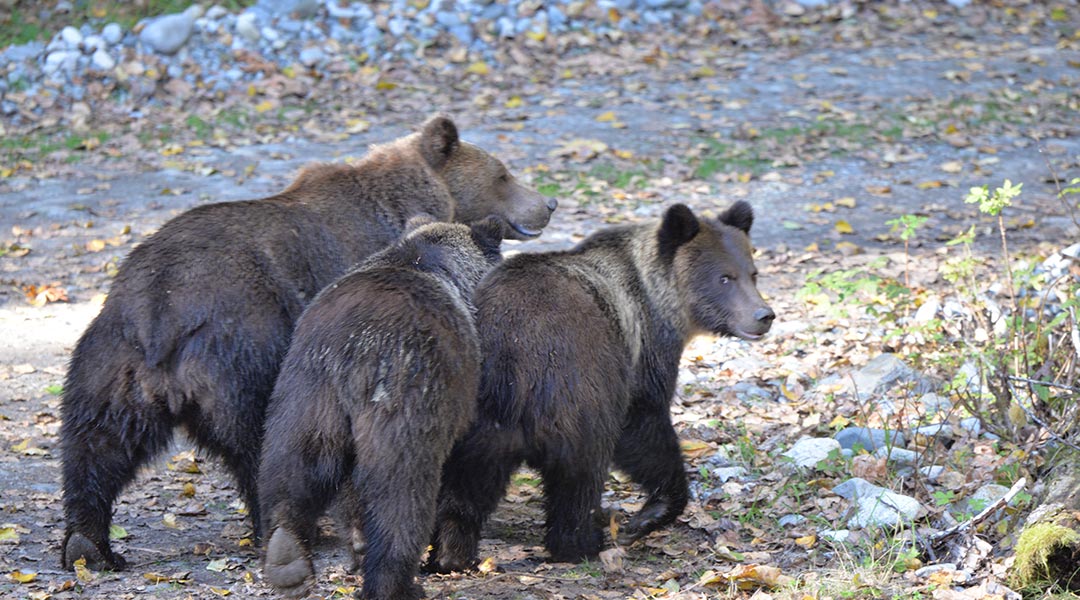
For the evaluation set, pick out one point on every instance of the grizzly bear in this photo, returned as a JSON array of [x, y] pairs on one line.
[[581, 353], [199, 317], [379, 381]]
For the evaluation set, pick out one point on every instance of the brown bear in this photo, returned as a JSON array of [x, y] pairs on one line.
[[199, 317], [581, 353], [379, 381]]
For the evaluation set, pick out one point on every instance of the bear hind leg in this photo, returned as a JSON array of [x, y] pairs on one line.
[[573, 506], [101, 455]]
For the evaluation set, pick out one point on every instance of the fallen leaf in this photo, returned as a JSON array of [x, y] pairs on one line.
[[515, 102], [846, 202], [21, 577], [844, 227], [927, 185], [606, 117], [218, 565], [478, 68], [82, 573], [8, 534], [807, 541], [612, 560], [952, 166], [117, 532], [580, 149], [488, 565]]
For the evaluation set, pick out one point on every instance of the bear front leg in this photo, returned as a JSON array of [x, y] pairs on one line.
[[648, 451]]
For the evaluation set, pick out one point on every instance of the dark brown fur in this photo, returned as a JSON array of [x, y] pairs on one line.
[[581, 353], [379, 381], [198, 319]]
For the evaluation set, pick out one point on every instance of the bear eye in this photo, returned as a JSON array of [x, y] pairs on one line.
[[724, 280], [505, 178]]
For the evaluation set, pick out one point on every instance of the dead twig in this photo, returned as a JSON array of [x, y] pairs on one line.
[[982, 516]]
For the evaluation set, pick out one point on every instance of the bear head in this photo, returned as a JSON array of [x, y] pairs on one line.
[[480, 183], [714, 270]]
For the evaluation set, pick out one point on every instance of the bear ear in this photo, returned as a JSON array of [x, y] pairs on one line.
[[488, 234], [740, 216], [678, 227], [417, 222], [438, 140]]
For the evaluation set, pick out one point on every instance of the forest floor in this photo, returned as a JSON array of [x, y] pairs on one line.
[[829, 127]]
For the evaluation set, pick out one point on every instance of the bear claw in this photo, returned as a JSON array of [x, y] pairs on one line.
[[288, 567], [79, 546]]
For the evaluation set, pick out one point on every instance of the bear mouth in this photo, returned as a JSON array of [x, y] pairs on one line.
[[525, 231], [746, 335]]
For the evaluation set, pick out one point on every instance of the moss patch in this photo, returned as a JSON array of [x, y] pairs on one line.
[[1035, 551]]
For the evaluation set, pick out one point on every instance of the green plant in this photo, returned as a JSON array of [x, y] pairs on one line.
[[906, 225]]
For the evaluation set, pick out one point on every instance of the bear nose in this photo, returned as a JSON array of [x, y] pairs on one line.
[[764, 315], [552, 204]]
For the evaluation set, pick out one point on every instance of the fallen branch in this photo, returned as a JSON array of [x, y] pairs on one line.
[[982, 516]]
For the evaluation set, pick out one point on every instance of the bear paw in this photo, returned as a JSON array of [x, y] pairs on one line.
[[78, 546], [648, 519], [288, 566]]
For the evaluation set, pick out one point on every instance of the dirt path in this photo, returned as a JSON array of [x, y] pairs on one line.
[[897, 128]]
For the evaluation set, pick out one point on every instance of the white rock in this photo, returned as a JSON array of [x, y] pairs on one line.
[[928, 310], [838, 536], [309, 57], [788, 520], [878, 374], [725, 473], [168, 33], [112, 33], [808, 452], [93, 43], [102, 61], [876, 506], [216, 12], [246, 27], [71, 37], [936, 430], [61, 60], [929, 570], [972, 424]]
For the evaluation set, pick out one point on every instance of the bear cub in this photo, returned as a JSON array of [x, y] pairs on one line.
[[199, 317], [581, 354], [378, 383]]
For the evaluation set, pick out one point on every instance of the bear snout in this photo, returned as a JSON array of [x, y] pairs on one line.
[[765, 316]]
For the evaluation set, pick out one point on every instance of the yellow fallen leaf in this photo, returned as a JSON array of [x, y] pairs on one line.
[[694, 448], [221, 591], [536, 35], [95, 245], [357, 126], [515, 102], [82, 573], [382, 84], [8, 534], [488, 565], [625, 154], [606, 117], [844, 227], [21, 577], [807, 541], [478, 68], [846, 202], [170, 521], [879, 190], [839, 422], [345, 590], [264, 106], [751, 576], [929, 185], [172, 150]]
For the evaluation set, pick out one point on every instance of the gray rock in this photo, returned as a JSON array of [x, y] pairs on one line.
[[270, 34], [504, 27], [247, 28], [931, 473], [102, 61], [896, 455], [310, 56], [935, 404], [937, 430], [880, 373], [25, 52], [971, 424], [987, 495], [463, 33], [808, 452], [953, 309], [112, 33], [929, 570], [168, 33], [71, 37], [789, 520], [869, 439]]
